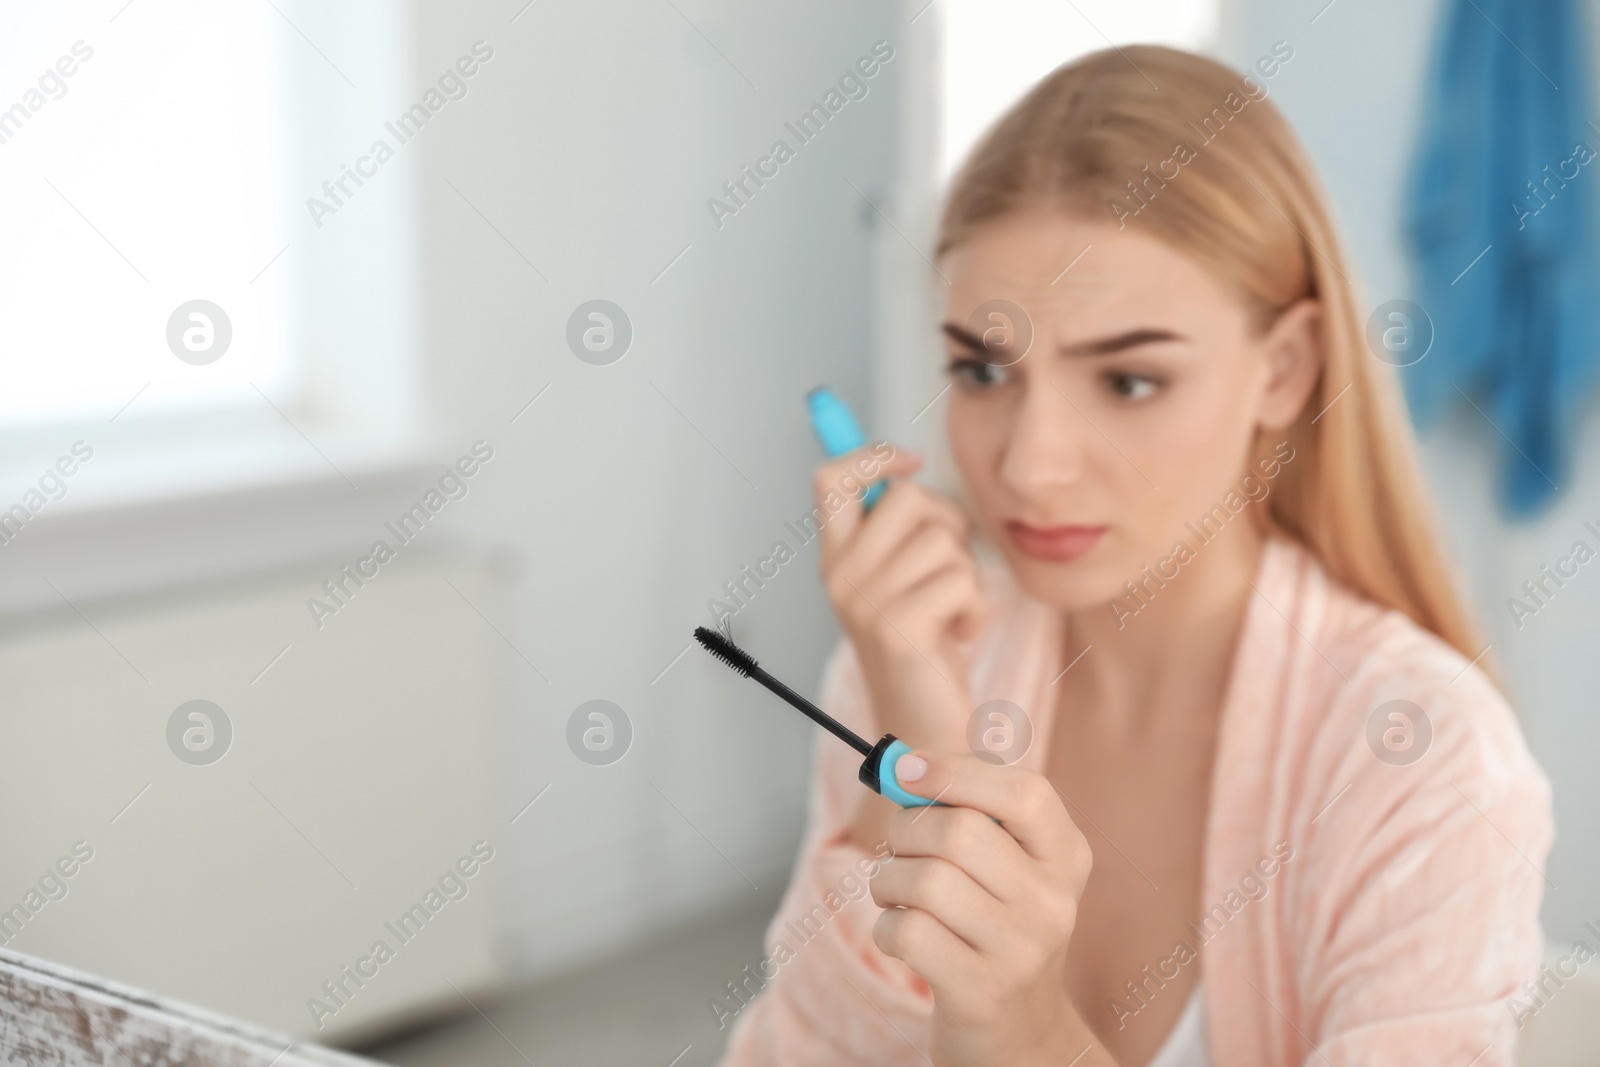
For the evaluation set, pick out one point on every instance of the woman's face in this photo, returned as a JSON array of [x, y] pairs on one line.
[[1131, 413]]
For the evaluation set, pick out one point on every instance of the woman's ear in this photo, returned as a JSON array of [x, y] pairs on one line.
[[1293, 347]]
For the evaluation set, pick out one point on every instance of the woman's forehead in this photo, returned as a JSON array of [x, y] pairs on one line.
[[1041, 250], [1110, 276]]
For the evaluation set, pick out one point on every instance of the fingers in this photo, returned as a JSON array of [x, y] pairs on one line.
[[924, 585], [930, 548], [1025, 803], [906, 591], [968, 839], [946, 892], [839, 485], [927, 946], [903, 507], [954, 593], [908, 564]]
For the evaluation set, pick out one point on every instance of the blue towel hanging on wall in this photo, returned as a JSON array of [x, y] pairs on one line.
[[1507, 169]]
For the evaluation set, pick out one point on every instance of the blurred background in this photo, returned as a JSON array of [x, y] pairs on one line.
[[542, 347]]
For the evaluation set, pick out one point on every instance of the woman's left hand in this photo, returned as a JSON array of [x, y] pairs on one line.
[[983, 909]]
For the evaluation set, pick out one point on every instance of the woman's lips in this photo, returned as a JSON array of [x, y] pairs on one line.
[[1057, 544]]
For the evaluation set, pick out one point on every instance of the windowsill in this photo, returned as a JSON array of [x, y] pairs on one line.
[[158, 517], [174, 471]]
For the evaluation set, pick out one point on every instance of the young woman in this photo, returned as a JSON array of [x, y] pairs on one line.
[[1273, 809]]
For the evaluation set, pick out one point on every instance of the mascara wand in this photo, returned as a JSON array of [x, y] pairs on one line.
[[877, 769]]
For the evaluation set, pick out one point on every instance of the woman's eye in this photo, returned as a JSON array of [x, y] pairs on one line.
[[1131, 386], [976, 373]]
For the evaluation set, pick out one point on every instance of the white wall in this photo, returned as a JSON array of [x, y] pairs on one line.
[[1353, 92], [585, 152], [592, 143]]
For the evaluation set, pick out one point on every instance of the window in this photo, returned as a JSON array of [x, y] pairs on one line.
[[165, 291]]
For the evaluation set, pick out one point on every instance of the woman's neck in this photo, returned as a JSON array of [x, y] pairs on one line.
[[1179, 644]]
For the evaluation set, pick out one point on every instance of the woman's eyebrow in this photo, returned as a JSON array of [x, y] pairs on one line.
[[968, 339], [1130, 339], [1099, 347]]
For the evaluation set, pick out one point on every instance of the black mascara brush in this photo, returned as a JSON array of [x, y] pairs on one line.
[[877, 769]]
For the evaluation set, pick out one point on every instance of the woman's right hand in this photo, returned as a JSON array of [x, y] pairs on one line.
[[905, 588]]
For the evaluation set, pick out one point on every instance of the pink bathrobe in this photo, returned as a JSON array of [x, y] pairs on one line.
[[1403, 919]]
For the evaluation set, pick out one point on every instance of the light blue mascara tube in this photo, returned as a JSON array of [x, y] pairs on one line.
[[839, 432]]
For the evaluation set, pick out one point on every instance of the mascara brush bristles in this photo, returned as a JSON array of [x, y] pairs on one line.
[[741, 661], [726, 650]]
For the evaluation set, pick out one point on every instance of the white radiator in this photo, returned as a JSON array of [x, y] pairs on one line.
[[360, 776]]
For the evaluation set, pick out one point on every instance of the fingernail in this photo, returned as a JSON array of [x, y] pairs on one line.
[[910, 768]]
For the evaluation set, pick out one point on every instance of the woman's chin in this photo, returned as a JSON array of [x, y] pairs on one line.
[[1076, 585]]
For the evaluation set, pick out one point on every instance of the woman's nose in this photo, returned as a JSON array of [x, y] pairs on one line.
[[1046, 447]]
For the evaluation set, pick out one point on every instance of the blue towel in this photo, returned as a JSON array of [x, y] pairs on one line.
[[1507, 166]]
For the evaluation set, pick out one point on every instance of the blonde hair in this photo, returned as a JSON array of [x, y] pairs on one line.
[[1192, 150]]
